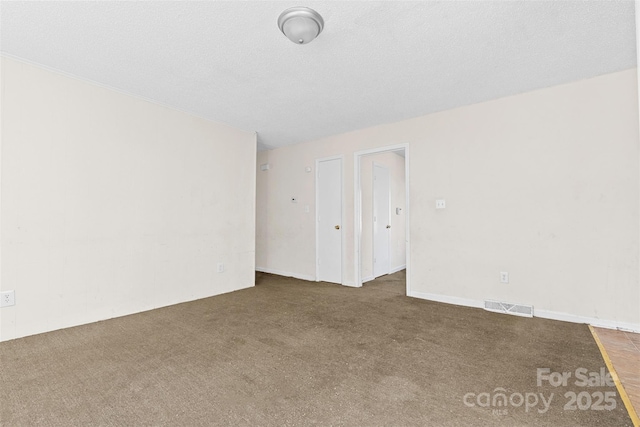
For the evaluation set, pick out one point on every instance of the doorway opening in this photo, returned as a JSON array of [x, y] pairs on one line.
[[381, 202]]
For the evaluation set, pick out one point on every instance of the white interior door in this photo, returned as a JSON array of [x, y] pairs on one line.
[[329, 220], [381, 220]]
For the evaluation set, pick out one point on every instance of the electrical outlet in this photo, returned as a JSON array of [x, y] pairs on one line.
[[220, 267], [7, 298], [504, 277]]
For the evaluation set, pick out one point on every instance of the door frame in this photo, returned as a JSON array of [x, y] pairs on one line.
[[342, 217], [357, 203], [373, 204]]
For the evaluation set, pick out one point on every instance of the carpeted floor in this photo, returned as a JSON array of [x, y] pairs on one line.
[[289, 352]]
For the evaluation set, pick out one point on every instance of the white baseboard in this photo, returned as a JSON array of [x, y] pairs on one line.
[[448, 299], [398, 268], [350, 284], [391, 271], [286, 274], [298, 276], [593, 321], [545, 314]]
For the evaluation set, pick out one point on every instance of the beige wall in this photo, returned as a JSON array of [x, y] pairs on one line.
[[397, 247], [113, 205], [543, 185], [285, 232]]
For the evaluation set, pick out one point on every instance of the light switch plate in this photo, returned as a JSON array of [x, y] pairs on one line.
[[440, 204]]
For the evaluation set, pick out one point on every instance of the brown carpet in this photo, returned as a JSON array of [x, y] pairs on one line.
[[289, 352]]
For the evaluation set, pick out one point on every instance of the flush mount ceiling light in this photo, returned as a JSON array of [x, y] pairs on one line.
[[300, 24]]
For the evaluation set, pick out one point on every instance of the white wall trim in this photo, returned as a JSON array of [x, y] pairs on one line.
[[637, 12], [306, 277], [349, 284], [398, 268], [396, 147], [448, 299], [357, 220], [544, 314], [407, 217], [602, 323], [393, 270]]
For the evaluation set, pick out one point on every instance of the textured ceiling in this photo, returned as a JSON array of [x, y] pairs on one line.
[[375, 62]]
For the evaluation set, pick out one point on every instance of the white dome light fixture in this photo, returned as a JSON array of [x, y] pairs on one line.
[[300, 24]]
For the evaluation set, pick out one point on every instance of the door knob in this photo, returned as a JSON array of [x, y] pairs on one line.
[[388, 226], [337, 227]]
